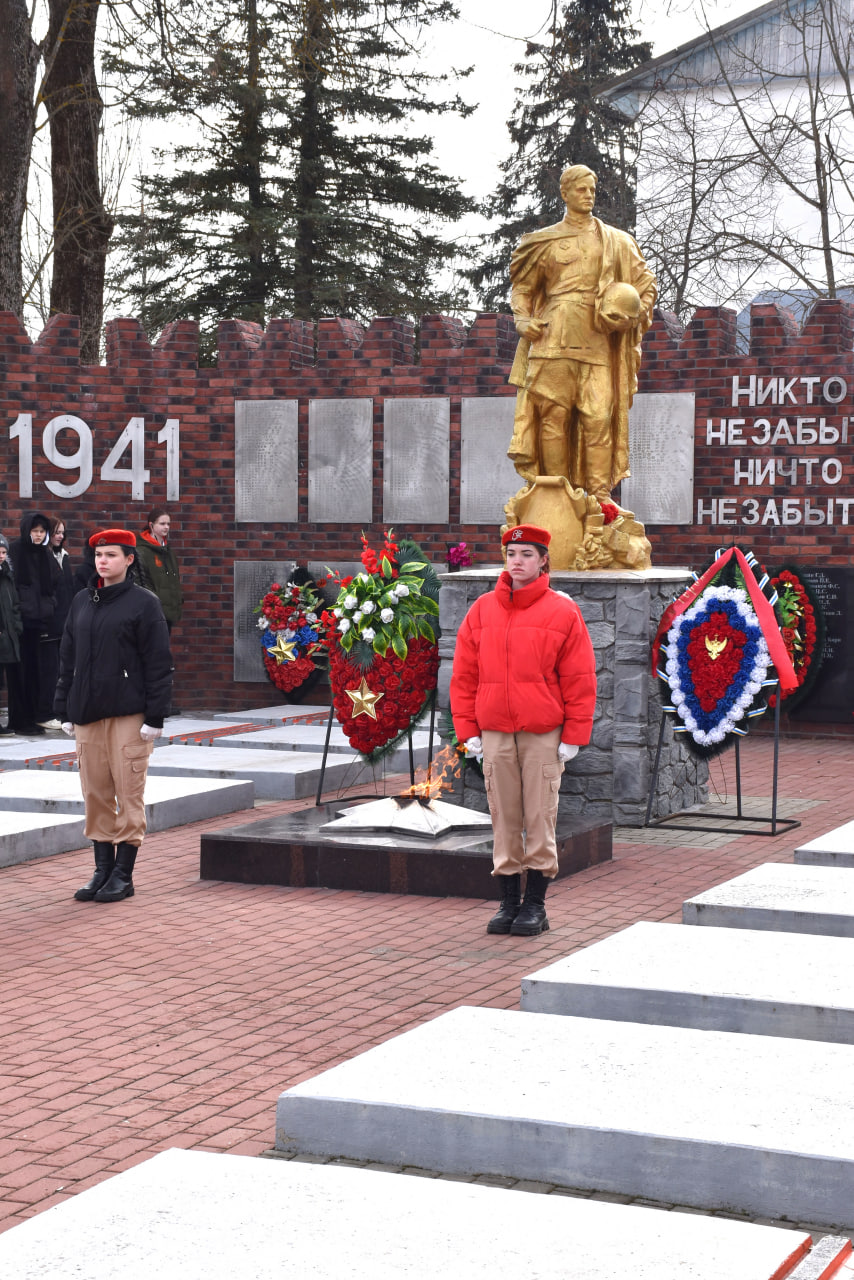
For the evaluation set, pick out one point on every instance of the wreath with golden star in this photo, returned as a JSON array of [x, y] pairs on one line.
[[291, 631], [381, 636]]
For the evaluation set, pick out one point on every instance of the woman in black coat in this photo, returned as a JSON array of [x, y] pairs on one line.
[[36, 578], [115, 687], [10, 641]]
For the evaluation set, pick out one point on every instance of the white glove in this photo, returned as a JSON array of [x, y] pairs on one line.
[[474, 749], [566, 751], [68, 727], [148, 733]]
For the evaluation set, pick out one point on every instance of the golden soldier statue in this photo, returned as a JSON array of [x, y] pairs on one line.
[[582, 298]]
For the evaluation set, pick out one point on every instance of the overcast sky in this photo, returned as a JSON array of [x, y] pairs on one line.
[[491, 35]]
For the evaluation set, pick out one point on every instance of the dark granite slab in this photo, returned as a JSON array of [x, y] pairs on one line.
[[292, 850]]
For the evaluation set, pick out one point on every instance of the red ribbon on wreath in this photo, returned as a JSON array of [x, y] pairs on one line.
[[762, 607]]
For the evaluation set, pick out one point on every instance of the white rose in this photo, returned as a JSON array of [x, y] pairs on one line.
[[311, 617], [344, 625], [401, 589], [350, 602], [368, 606], [289, 633], [337, 613], [387, 615], [357, 616], [368, 634]]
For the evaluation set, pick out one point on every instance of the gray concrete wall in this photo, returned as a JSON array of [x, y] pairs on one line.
[[610, 778]]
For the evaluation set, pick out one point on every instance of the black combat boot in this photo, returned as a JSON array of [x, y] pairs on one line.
[[511, 897], [105, 860], [532, 918], [120, 883]]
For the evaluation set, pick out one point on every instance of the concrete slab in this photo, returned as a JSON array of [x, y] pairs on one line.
[[709, 1119], [194, 729], [286, 713], [24, 836], [54, 752], [169, 801], [277, 775], [194, 1215], [772, 984], [789, 899], [835, 849], [310, 737]]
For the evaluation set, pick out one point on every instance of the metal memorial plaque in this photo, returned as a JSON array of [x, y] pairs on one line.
[[252, 578], [340, 461], [660, 489], [265, 461], [831, 699], [416, 464], [487, 476]]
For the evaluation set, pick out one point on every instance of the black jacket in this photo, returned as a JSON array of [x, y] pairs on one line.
[[114, 658], [36, 575], [10, 616], [64, 590]]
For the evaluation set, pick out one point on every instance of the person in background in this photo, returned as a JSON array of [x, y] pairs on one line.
[[158, 564], [157, 568], [10, 647], [114, 690], [36, 578], [523, 694], [64, 590]]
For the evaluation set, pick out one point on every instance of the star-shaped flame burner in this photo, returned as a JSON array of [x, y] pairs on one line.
[[414, 815]]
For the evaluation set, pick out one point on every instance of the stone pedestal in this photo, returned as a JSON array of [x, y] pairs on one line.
[[609, 778]]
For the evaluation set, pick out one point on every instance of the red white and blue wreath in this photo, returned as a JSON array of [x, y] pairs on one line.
[[718, 647]]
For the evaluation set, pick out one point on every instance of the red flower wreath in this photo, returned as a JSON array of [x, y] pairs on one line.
[[799, 626], [404, 684], [381, 637]]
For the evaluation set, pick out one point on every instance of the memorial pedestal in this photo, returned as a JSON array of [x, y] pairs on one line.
[[293, 849], [609, 778]]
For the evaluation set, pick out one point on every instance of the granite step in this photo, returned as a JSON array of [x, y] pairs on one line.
[[277, 775], [24, 836], [196, 1215], [170, 801], [286, 713], [779, 896], [709, 1119], [313, 738], [763, 983], [834, 849]]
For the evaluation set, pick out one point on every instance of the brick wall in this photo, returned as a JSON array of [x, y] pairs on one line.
[[162, 381]]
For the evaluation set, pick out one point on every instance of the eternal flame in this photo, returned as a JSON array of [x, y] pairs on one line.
[[580, 330]]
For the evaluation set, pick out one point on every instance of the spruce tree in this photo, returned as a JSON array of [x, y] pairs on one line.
[[296, 184], [559, 121]]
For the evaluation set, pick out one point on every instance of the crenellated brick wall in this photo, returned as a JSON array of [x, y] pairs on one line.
[[162, 381]]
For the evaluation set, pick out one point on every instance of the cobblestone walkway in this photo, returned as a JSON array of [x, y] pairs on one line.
[[176, 1018]]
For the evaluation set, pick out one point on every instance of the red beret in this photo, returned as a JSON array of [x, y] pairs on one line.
[[527, 533], [113, 538]]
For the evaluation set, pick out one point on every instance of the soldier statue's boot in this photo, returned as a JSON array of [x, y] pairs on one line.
[[120, 883], [597, 472], [105, 860], [532, 918], [511, 900]]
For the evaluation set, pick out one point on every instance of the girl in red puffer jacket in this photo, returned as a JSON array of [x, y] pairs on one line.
[[523, 692]]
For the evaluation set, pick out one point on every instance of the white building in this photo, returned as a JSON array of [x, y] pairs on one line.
[[746, 167]]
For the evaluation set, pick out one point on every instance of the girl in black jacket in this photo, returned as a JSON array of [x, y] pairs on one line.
[[10, 641], [36, 577], [114, 689]]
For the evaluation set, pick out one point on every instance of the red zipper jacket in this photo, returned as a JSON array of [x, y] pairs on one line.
[[524, 663]]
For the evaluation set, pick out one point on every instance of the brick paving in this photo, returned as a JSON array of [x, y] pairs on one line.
[[176, 1018]]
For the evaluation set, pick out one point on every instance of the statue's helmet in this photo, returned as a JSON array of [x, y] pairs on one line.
[[621, 306]]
